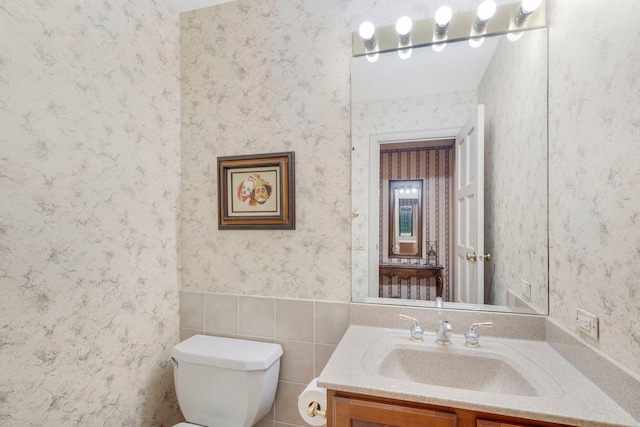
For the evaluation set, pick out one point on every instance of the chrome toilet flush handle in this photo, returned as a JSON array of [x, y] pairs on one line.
[[416, 330], [173, 363]]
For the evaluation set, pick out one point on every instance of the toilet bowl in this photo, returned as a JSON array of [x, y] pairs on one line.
[[225, 382]]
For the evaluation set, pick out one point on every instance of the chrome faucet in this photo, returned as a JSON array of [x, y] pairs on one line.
[[472, 336], [439, 302], [443, 335], [416, 329]]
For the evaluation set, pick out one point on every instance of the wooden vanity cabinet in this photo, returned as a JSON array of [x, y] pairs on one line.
[[349, 412], [356, 410]]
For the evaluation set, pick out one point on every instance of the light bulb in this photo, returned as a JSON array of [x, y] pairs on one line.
[[486, 10], [443, 16], [403, 26], [528, 6], [366, 30], [477, 42], [512, 37], [404, 53], [373, 57], [438, 47]]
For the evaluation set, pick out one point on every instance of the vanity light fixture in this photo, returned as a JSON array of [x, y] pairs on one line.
[[487, 20], [367, 32], [486, 10], [403, 28], [526, 9], [442, 18]]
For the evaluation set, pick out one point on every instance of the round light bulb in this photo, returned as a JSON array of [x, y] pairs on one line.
[[512, 37], [366, 30], [443, 16], [528, 6], [477, 42], [486, 10], [404, 25], [438, 47], [405, 53]]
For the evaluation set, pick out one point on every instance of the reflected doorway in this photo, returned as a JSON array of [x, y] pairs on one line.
[[430, 166]]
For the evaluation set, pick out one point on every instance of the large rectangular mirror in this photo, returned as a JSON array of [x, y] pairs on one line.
[[492, 254]]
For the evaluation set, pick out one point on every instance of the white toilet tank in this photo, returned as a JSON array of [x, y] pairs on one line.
[[225, 382]]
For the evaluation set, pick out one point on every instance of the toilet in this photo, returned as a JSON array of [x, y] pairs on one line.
[[225, 382]]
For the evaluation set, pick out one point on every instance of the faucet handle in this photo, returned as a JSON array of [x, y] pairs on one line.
[[416, 330], [472, 336]]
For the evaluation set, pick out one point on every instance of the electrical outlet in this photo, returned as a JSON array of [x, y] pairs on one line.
[[525, 289], [587, 323]]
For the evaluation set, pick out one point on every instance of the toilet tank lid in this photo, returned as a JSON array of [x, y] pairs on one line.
[[228, 353]]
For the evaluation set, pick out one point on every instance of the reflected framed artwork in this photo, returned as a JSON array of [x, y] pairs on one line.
[[256, 192]]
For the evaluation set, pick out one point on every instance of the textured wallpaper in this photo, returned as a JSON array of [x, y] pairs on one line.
[[263, 77], [514, 92], [89, 178], [594, 134]]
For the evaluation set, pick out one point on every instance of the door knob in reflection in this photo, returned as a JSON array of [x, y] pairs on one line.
[[472, 257]]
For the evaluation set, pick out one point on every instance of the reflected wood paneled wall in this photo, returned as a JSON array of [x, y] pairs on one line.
[[432, 162]]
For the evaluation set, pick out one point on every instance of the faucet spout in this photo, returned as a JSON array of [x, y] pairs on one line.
[[443, 335]]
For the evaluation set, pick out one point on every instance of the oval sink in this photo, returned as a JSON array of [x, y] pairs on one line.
[[479, 372]]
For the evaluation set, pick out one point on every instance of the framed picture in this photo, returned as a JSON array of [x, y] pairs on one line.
[[256, 192]]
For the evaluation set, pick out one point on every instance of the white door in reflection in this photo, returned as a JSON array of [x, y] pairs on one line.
[[468, 261]]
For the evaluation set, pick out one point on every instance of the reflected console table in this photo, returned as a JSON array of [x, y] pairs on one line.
[[407, 271]]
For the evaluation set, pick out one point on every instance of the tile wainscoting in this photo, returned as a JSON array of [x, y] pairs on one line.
[[307, 330]]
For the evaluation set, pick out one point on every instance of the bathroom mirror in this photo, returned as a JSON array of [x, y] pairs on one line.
[[405, 219], [420, 105]]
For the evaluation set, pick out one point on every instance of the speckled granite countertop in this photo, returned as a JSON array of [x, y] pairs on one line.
[[555, 382]]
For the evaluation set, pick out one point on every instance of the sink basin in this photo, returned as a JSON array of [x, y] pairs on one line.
[[457, 369], [494, 367]]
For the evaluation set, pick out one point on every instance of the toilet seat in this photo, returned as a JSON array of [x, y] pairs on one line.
[[186, 425]]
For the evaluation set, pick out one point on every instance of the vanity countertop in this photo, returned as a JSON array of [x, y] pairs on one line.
[[565, 395]]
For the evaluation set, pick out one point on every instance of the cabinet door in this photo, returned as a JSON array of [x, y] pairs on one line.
[[361, 413]]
